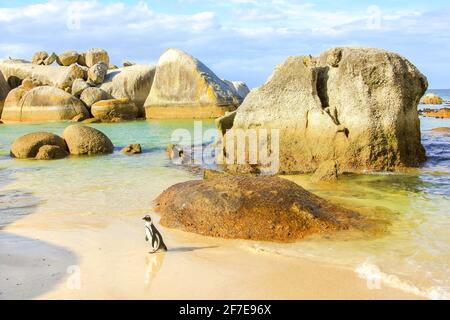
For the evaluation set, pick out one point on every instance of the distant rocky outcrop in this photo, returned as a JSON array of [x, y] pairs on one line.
[[29, 145], [256, 208], [441, 130], [114, 110], [41, 104], [437, 113], [133, 82], [355, 106], [185, 88], [431, 98], [239, 88], [84, 140]]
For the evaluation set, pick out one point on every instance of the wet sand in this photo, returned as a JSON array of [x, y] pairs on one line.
[[45, 256]]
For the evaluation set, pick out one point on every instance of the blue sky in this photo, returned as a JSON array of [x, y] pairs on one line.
[[238, 39]]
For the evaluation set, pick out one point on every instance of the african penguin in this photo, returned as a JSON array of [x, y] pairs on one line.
[[152, 234]]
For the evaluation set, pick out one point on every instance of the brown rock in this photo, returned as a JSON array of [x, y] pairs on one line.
[[439, 113], [119, 109], [441, 130], [94, 56], [28, 146], [82, 59], [257, 208], [39, 57], [83, 140], [79, 118], [431, 98], [92, 95], [132, 149], [91, 120], [68, 58], [50, 59], [49, 152]]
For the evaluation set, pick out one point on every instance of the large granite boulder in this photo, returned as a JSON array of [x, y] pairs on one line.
[[41, 104], [57, 76], [4, 90], [256, 208], [356, 106], [185, 88], [28, 146], [114, 109], [133, 82], [84, 140], [92, 95], [94, 56]]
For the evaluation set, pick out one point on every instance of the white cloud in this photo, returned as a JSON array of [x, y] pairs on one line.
[[239, 39]]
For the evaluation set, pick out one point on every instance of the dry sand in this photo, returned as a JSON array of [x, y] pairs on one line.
[[100, 257]]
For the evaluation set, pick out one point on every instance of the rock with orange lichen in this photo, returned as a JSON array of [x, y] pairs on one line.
[[256, 208]]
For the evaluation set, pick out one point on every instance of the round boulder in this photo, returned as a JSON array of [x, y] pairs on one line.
[[42, 104], [92, 95], [39, 57], [94, 56], [68, 58], [49, 152], [97, 73], [257, 208], [78, 86], [82, 140], [28, 146], [108, 110]]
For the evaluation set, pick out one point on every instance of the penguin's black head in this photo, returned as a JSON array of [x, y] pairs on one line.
[[147, 218]]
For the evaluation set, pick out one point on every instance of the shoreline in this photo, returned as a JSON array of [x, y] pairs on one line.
[[110, 254]]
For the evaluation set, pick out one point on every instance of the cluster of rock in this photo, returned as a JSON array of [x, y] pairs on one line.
[[76, 139], [79, 86], [431, 98], [350, 109], [256, 208]]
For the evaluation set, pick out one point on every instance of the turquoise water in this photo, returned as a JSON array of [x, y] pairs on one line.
[[412, 253]]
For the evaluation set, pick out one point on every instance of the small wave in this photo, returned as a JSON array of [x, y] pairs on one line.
[[375, 278]]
